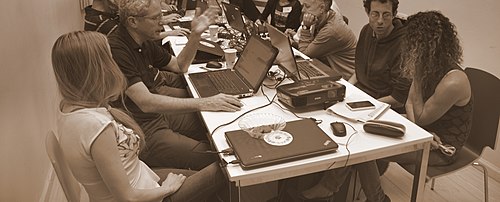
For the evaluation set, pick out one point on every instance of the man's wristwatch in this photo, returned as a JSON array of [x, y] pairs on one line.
[[305, 27]]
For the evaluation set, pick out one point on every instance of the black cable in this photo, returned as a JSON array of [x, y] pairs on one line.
[[347, 142], [275, 75], [251, 110]]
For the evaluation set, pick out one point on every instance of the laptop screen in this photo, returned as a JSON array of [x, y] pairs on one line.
[[255, 61], [234, 17], [285, 56]]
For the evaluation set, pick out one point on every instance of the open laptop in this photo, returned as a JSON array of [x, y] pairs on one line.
[[235, 18], [297, 70], [307, 140], [245, 78]]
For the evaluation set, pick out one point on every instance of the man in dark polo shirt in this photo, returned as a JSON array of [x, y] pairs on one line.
[[174, 134]]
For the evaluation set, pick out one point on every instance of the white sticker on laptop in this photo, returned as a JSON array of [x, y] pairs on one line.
[[278, 138]]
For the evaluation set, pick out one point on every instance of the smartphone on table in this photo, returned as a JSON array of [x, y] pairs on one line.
[[360, 105]]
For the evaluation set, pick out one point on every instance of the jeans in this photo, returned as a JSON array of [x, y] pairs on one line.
[[198, 186]]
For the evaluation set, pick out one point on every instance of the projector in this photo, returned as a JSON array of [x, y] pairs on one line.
[[311, 92]]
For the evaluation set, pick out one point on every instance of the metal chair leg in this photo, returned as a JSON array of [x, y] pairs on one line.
[[485, 175], [432, 183]]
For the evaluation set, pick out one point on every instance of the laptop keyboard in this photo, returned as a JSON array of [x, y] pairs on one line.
[[305, 68], [224, 82]]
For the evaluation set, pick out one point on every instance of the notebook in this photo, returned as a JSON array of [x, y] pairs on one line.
[[245, 78], [297, 70], [308, 140]]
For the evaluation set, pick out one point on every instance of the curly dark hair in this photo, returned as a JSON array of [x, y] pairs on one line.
[[368, 5], [430, 49]]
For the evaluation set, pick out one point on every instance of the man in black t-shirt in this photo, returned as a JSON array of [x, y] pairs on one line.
[[174, 134]]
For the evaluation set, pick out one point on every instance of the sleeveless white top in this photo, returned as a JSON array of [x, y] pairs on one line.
[[77, 132]]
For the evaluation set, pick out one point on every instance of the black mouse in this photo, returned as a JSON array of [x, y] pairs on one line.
[[338, 129], [214, 64]]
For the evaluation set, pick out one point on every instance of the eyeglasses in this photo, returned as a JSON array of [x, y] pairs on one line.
[[376, 15], [154, 18]]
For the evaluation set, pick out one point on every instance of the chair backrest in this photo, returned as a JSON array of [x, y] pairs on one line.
[[486, 110], [70, 185]]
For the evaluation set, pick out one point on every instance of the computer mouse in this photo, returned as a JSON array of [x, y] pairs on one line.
[[338, 129], [214, 64]]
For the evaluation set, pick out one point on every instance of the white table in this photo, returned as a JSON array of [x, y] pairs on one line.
[[362, 146]]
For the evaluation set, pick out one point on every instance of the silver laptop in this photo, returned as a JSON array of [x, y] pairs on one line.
[[297, 70], [245, 78]]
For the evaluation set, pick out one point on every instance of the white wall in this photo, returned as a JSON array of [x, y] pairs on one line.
[[28, 94]]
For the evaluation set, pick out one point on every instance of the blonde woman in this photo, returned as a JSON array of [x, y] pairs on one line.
[[101, 144]]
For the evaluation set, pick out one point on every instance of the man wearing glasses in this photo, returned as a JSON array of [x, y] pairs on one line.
[[378, 55], [175, 137]]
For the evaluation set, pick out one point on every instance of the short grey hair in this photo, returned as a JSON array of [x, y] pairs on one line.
[[127, 8]]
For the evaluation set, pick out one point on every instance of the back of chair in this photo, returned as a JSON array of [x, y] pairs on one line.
[[68, 182], [486, 110]]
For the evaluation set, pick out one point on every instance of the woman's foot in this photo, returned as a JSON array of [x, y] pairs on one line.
[[318, 191]]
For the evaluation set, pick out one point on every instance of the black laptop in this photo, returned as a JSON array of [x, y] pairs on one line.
[[245, 78], [301, 69], [307, 140], [235, 18]]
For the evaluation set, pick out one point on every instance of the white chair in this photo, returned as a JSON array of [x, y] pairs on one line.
[[70, 185]]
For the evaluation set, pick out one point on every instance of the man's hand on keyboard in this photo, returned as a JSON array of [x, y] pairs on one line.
[[221, 102]]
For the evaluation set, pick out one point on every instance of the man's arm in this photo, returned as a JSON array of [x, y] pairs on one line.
[[154, 103], [400, 84], [316, 46], [390, 100], [186, 56]]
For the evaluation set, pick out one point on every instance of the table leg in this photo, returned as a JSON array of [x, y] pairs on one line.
[[239, 190], [418, 188]]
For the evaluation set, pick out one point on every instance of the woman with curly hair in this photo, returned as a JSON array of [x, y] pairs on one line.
[[440, 98]]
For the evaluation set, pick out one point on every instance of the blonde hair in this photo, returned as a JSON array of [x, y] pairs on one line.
[[87, 75]]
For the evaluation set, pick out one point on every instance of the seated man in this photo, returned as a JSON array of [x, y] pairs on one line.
[[378, 54], [102, 16], [325, 35], [174, 137]]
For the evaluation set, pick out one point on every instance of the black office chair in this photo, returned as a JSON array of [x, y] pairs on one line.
[[485, 119]]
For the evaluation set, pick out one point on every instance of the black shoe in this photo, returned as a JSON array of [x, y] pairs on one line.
[[387, 199]]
